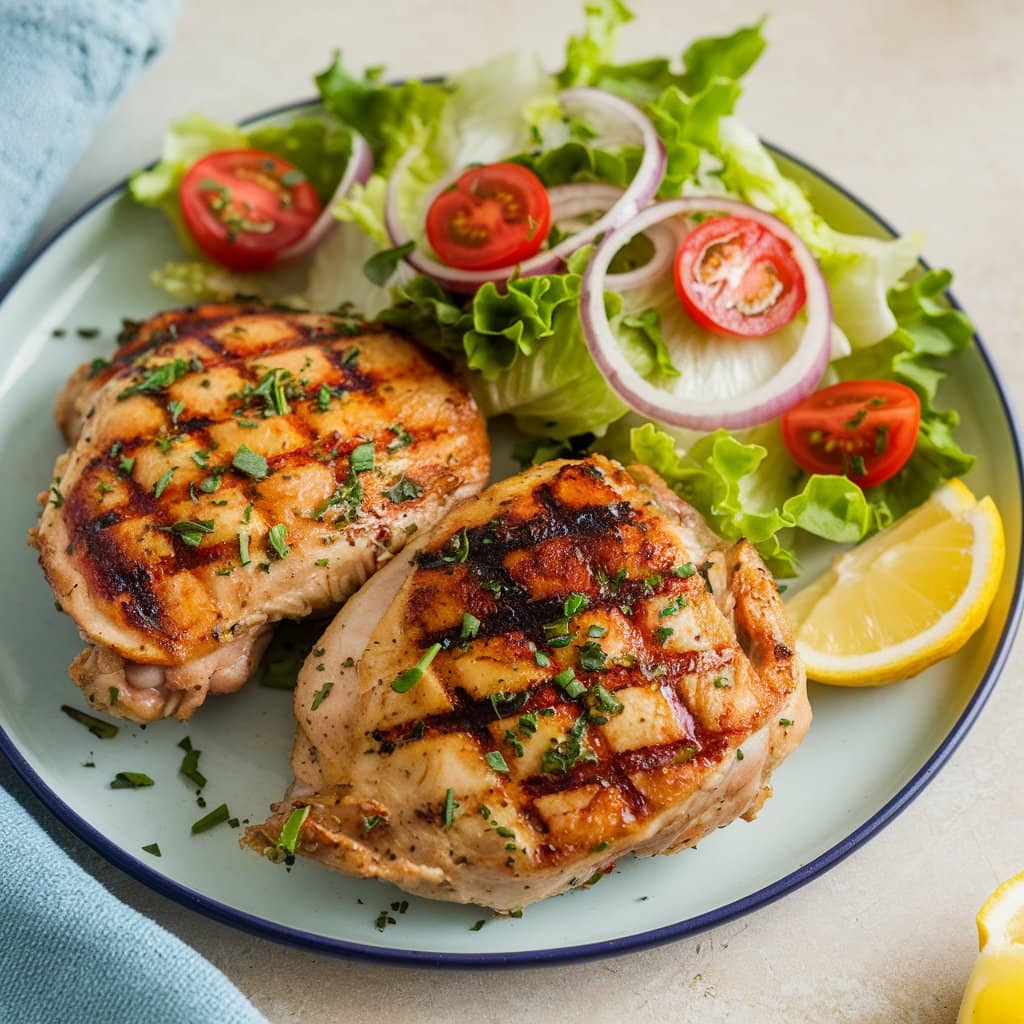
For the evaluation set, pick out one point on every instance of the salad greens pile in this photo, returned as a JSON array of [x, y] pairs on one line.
[[521, 347]]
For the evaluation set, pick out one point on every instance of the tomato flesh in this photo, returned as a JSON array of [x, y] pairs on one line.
[[244, 206], [734, 277], [492, 216], [864, 429]]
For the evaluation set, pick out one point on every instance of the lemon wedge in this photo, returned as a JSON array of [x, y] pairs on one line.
[[995, 991], [906, 598]]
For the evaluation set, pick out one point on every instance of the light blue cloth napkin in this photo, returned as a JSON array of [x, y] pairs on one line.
[[70, 952], [62, 64]]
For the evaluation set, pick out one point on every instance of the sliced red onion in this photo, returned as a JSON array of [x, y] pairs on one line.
[[797, 378], [358, 169], [636, 195]]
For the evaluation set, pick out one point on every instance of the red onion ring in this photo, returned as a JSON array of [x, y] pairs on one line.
[[797, 378], [358, 169], [637, 195]]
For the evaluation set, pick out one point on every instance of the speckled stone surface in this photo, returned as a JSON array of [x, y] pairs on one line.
[[916, 107]]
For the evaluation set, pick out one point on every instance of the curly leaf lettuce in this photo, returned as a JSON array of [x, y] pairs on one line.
[[723, 478]]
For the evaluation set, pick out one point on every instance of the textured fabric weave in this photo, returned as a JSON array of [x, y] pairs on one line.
[[62, 64]]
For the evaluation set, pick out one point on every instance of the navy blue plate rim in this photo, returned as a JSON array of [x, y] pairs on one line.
[[255, 925]]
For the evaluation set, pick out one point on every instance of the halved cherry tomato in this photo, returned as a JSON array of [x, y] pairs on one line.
[[865, 429], [243, 206], [493, 216], [736, 278]]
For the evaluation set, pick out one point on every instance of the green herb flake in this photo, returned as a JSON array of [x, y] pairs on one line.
[[175, 409], [370, 823], [596, 631], [190, 531], [674, 606], [201, 458], [100, 729], [470, 626], [542, 659], [405, 681], [705, 571], [322, 563], [360, 459], [402, 437], [785, 722], [404, 490], [215, 817], [476, 926], [451, 805], [156, 378], [570, 685], [243, 547], [321, 695], [161, 485], [278, 536], [721, 683], [605, 701], [125, 466], [153, 849], [662, 633], [684, 571], [497, 761], [739, 754], [289, 837], [249, 462], [573, 604], [131, 780], [592, 657]]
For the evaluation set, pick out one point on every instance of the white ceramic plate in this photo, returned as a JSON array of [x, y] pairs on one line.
[[868, 754]]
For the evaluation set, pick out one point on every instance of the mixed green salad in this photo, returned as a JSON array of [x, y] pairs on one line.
[[368, 184]]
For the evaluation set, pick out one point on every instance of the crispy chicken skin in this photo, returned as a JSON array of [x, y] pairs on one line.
[[607, 681], [232, 467]]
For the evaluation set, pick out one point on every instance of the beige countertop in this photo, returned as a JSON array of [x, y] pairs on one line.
[[914, 105]]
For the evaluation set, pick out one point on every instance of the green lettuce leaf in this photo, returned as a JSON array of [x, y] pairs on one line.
[[722, 477], [928, 330], [523, 348]]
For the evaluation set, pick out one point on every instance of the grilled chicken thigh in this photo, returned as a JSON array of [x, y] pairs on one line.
[[566, 670], [232, 467]]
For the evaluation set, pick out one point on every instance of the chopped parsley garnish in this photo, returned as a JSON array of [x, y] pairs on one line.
[[152, 848], [596, 631], [404, 490], [125, 465], [161, 485], [277, 537], [497, 761], [347, 497], [190, 531], [57, 500], [573, 604], [87, 332], [527, 724], [100, 729], [684, 571], [514, 742], [321, 695], [175, 409], [673, 607], [592, 657], [785, 722], [323, 398], [360, 459], [289, 837], [599, 847], [157, 378], [97, 366], [560, 627], [370, 823], [570, 685], [215, 817], [405, 681], [104, 488], [247, 514], [201, 457], [662, 633], [211, 484], [451, 805], [470, 626], [564, 755], [243, 547], [476, 926], [704, 570], [402, 437], [131, 780], [721, 683], [739, 754], [493, 587], [651, 582], [605, 701], [322, 563], [271, 390], [542, 659], [457, 548], [249, 462], [881, 438], [190, 763]]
